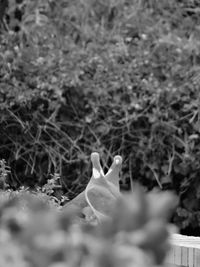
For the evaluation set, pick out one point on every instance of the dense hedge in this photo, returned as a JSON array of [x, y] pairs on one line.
[[119, 77]]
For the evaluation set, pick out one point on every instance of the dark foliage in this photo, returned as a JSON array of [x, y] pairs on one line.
[[118, 77]]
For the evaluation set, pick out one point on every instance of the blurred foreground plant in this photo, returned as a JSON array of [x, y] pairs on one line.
[[36, 234]]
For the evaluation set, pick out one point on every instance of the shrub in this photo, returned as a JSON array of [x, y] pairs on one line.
[[116, 77], [33, 234]]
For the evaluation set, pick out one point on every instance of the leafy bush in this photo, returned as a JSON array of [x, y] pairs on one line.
[[35, 234], [4, 171], [116, 77]]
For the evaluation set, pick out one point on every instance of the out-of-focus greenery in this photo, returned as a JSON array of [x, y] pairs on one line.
[[119, 77], [34, 233]]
